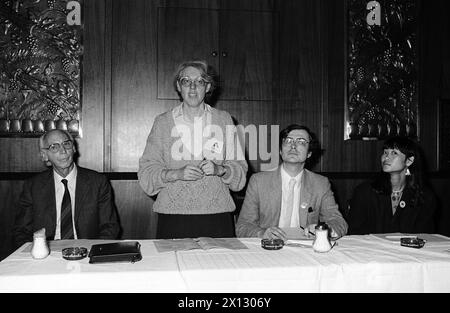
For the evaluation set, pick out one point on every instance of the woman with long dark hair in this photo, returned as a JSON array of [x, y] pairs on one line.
[[398, 200]]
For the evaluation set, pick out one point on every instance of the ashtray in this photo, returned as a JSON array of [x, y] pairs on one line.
[[74, 253], [412, 242], [272, 244]]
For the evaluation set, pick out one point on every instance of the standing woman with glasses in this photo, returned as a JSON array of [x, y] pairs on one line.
[[69, 201], [398, 199], [192, 160]]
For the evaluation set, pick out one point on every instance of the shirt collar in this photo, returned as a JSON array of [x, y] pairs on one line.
[[70, 177], [178, 110], [285, 177]]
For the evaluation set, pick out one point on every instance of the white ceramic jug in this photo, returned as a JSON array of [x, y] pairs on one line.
[[322, 241], [40, 248]]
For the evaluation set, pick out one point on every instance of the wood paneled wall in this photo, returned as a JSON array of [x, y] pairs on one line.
[[119, 90], [120, 99]]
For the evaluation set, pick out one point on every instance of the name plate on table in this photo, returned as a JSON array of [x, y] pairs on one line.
[[127, 251]]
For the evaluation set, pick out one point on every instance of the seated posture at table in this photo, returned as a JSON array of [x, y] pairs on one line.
[[397, 200], [189, 162], [290, 196], [69, 201]]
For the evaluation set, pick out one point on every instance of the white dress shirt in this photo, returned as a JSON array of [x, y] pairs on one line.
[[293, 220], [59, 194]]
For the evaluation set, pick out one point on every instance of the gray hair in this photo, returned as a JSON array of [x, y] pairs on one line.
[[43, 143], [43, 138], [205, 70]]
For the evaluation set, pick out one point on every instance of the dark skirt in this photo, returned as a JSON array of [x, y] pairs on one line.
[[219, 225]]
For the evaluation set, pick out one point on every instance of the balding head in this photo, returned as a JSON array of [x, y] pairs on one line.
[[43, 140]]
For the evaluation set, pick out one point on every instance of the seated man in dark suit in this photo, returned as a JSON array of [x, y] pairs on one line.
[[69, 201], [290, 196]]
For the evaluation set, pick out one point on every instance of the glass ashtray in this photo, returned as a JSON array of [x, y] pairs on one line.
[[74, 253], [412, 242], [272, 244]]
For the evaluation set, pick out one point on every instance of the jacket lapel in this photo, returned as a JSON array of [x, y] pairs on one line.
[[407, 220], [305, 200], [48, 197], [81, 190], [275, 197]]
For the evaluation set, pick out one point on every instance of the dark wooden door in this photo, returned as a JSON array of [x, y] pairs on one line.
[[184, 34], [238, 44], [246, 55]]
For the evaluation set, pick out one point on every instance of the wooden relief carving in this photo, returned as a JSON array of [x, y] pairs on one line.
[[40, 63], [382, 69]]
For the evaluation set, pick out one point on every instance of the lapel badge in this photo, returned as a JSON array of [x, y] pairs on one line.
[[402, 204], [304, 205]]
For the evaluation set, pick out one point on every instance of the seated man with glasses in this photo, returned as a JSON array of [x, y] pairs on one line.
[[69, 201], [291, 196]]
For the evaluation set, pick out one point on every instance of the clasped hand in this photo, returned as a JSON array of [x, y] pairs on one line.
[[206, 167], [210, 168]]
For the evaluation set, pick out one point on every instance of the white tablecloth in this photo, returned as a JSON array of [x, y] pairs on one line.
[[356, 264]]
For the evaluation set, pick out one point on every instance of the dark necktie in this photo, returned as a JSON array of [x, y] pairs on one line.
[[66, 214]]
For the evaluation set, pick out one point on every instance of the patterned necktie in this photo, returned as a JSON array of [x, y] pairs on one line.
[[66, 214], [290, 202]]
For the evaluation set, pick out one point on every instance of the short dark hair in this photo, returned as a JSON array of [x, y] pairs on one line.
[[314, 145]]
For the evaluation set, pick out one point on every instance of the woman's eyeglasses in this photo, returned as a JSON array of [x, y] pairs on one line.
[[298, 141], [187, 82], [55, 147]]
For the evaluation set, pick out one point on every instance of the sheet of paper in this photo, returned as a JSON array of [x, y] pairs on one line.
[[165, 245], [296, 233], [204, 243], [227, 243], [302, 243]]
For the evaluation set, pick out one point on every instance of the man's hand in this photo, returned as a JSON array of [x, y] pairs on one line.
[[334, 235], [274, 233], [311, 229]]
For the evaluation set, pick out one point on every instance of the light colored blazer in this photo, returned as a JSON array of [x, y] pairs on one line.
[[262, 204]]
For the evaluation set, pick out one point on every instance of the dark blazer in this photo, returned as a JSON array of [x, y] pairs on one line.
[[371, 212], [95, 213], [262, 204]]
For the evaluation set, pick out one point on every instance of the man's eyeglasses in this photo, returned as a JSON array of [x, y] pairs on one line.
[[187, 82], [298, 141], [55, 147]]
